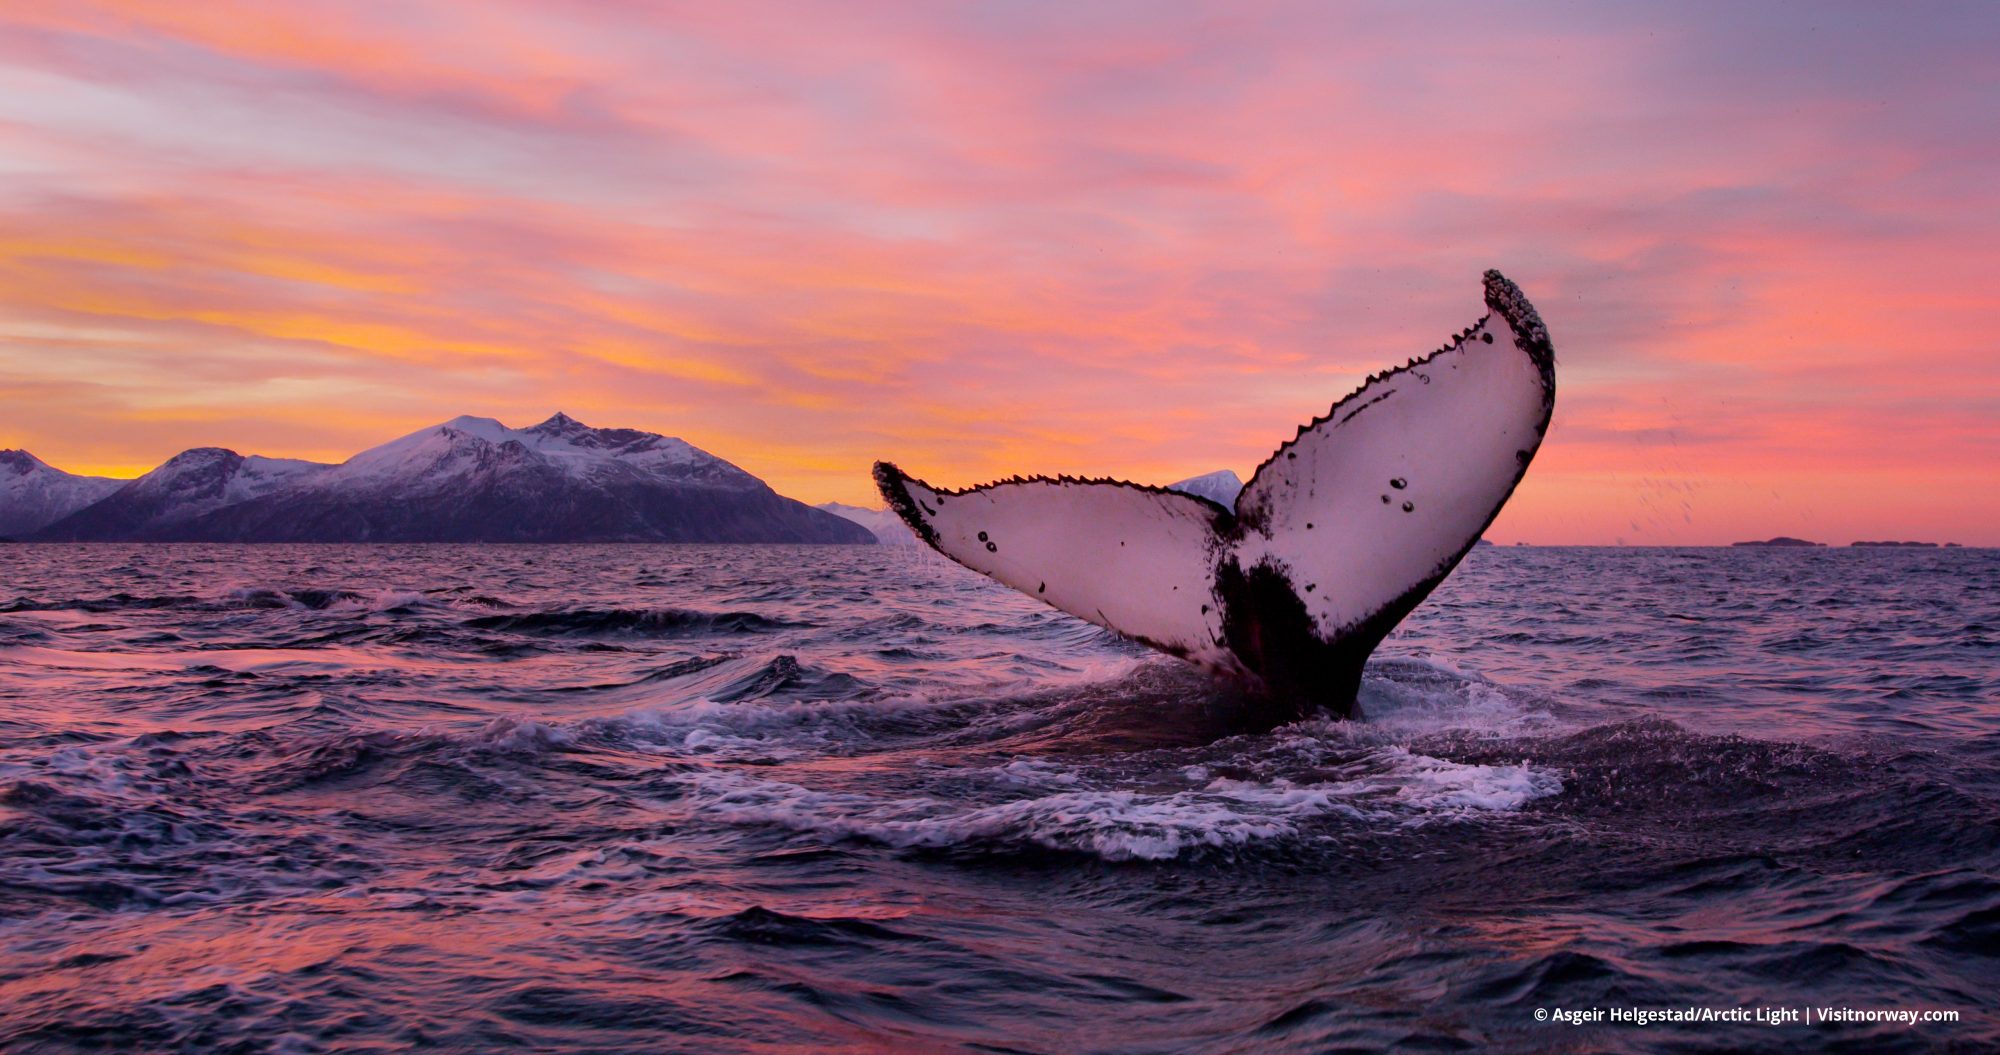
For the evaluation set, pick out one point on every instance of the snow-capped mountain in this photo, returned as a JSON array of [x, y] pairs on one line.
[[887, 527], [440, 453], [167, 503], [1221, 487], [35, 494], [467, 480]]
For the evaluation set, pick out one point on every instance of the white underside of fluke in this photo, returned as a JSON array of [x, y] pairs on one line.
[[1361, 514], [1137, 560]]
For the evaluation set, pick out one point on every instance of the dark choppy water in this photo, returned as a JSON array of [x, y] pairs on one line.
[[662, 799]]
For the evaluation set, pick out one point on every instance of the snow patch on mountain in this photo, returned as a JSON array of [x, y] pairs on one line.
[[206, 478]]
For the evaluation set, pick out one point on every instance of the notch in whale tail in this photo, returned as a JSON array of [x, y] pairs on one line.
[[1343, 531]]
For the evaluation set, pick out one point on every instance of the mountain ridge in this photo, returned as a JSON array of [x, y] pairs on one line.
[[469, 479]]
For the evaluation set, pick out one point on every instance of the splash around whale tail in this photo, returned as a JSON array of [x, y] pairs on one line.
[[1338, 536]]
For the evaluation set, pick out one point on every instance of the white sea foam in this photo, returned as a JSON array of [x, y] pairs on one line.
[[1416, 697], [518, 736], [1395, 787], [1036, 772], [378, 601], [1114, 825]]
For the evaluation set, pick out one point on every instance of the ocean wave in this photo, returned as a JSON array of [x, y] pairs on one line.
[[120, 826], [291, 764], [303, 797], [768, 727], [652, 622], [785, 676], [758, 925], [117, 602], [231, 598]]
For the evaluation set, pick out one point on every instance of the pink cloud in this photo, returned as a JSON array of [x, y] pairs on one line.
[[984, 240]]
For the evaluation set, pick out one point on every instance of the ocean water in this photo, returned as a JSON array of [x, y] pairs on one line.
[[847, 799]]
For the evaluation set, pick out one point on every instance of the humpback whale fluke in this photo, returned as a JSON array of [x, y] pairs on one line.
[[1336, 537]]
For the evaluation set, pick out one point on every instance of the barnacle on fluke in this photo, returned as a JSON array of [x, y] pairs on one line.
[[1252, 607]]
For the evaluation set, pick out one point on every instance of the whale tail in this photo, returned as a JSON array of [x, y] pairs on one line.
[[1337, 536]]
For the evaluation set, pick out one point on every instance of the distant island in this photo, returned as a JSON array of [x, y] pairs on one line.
[[1787, 540], [469, 479]]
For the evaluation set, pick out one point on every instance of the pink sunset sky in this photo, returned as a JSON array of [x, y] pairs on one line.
[[1132, 239]]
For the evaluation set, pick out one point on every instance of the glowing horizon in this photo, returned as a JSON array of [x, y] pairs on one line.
[[1128, 240]]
